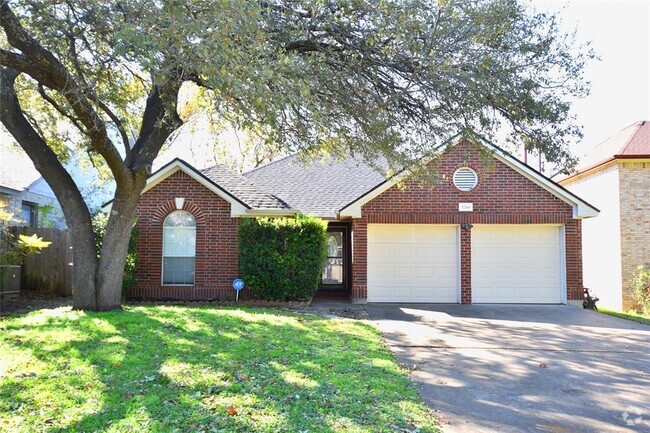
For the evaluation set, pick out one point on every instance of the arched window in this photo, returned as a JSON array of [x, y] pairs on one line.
[[179, 247]]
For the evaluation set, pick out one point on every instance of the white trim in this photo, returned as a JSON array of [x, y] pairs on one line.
[[563, 273], [581, 209], [162, 256], [237, 208], [599, 167], [459, 299], [273, 212]]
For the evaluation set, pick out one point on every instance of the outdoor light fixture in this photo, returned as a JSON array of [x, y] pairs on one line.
[[466, 226]]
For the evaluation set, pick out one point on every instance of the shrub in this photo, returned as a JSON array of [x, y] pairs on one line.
[[99, 226], [13, 250], [641, 287], [281, 259]]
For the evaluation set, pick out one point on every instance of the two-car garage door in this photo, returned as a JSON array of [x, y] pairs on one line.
[[421, 263]]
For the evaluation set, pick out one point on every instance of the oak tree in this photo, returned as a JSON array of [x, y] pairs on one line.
[[384, 77]]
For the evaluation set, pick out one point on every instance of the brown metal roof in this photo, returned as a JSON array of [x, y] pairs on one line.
[[630, 142]]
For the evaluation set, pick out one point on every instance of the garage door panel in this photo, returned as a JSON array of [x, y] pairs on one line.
[[412, 263], [516, 264]]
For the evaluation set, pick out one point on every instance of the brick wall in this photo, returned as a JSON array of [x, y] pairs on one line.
[[502, 196], [216, 263], [635, 223]]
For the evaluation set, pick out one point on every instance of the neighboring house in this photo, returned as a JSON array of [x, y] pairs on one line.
[[26, 194], [615, 177], [492, 230], [30, 198]]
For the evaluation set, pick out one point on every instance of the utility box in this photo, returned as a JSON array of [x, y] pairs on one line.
[[9, 280]]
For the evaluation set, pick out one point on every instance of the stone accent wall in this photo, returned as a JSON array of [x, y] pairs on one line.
[[635, 222]]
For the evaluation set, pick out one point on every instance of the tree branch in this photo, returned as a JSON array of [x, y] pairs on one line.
[[47, 69], [118, 124], [58, 108]]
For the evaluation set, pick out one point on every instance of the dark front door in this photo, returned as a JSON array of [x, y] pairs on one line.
[[335, 272]]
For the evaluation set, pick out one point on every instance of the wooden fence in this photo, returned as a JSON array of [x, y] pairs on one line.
[[50, 271]]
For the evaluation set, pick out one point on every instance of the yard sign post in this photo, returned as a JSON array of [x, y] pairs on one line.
[[237, 284]]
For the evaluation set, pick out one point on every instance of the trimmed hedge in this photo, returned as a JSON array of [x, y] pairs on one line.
[[282, 259]]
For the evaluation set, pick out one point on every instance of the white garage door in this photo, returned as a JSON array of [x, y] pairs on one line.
[[516, 264], [412, 263]]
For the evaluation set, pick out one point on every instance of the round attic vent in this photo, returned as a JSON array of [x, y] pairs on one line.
[[465, 179]]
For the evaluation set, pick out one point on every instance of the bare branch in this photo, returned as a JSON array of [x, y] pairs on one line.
[[118, 124], [58, 108]]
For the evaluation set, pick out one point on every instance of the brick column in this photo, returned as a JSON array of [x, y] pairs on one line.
[[465, 266], [573, 242], [359, 260]]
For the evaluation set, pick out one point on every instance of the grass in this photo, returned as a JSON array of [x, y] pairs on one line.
[[177, 369], [630, 315]]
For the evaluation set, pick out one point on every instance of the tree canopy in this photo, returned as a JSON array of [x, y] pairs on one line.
[[386, 77]]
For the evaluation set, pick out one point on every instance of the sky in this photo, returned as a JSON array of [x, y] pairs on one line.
[[620, 80], [619, 31]]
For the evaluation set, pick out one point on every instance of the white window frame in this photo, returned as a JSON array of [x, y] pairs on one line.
[[162, 264]]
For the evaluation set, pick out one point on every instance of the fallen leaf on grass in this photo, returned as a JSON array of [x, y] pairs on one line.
[[232, 410]]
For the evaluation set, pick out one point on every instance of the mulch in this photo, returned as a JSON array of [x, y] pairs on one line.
[[28, 302]]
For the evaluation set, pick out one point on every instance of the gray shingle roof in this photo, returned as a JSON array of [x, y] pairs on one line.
[[16, 170], [242, 188], [319, 188]]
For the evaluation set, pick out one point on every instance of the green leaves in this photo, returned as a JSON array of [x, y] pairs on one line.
[[282, 259], [390, 78]]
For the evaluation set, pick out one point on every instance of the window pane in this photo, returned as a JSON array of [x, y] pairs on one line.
[[27, 214], [179, 241], [335, 244], [178, 270], [180, 218], [179, 247], [333, 272]]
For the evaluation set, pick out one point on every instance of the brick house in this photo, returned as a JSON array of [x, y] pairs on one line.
[[489, 230], [615, 176]]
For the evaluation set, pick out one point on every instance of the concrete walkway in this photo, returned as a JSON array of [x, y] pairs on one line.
[[514, 368]]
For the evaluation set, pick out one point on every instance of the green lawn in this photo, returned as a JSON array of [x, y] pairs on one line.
[[201, 369], [628, 315]]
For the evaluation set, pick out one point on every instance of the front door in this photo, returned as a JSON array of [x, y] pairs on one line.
[[335, 270]]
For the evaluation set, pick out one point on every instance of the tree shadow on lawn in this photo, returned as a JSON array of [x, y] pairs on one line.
[[172, 368]]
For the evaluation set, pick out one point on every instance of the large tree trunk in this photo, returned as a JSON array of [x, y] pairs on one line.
[[115, 247], [84, 253]]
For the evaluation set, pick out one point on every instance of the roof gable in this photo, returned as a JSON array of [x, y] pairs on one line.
[[237, 206], [632, 142], [581, 209]]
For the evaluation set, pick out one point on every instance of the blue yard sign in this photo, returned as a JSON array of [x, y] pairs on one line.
[[238, 284]]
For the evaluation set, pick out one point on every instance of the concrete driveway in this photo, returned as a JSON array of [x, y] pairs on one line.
[[521, 368]]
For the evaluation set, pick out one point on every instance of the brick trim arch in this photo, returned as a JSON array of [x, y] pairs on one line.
[[170, 206]]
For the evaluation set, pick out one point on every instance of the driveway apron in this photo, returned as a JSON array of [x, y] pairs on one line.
[[523, 368]]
